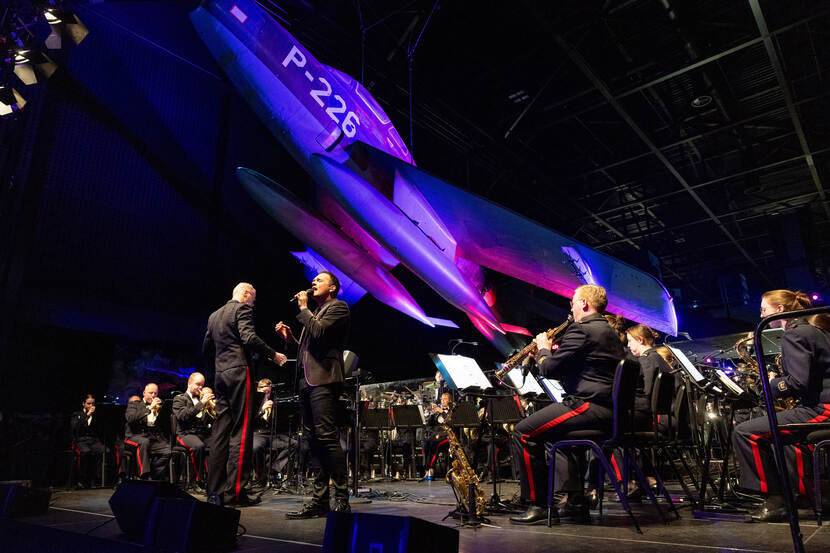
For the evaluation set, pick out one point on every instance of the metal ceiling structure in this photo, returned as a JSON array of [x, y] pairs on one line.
[[692, 133]]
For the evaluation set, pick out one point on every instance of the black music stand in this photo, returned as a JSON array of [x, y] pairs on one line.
[[409, 417], [379, 419], [500, 410]]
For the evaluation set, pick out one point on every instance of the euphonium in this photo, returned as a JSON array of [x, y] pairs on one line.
[[742, 346], [529, 350]]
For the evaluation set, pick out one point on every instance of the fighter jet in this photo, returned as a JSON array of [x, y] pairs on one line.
[[373, 208]]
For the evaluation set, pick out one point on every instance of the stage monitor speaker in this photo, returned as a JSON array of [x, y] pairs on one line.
[[370, 533], [133, 500], [19, 499], [187, 525]]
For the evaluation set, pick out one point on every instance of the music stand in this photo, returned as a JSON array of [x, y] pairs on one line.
[[409, 417], [460, 373], [379, 419]]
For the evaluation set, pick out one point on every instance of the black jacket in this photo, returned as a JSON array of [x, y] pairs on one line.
[[231, 338], [805, 352], [80, 428], [187, 419], [651, 364], [322, 342], [586, 359], [136, 416]]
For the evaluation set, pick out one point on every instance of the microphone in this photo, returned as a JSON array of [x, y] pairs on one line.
[[294, 297]]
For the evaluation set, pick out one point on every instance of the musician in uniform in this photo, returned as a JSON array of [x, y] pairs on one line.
[[86, 441], [805, 354], [193, 423], [229, 342], [320, 354], [145, 436], [584, 363], [262, 431], [435, 438]]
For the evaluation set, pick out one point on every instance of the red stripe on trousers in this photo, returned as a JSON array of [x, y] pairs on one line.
[[799, 461], [244, 430], [756, 453], [616, 468], [137, 456], [548, 425], [192, 458], [823, 416], [436, 452]]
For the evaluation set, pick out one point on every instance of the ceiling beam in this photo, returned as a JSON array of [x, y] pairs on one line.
[[588, 72], [761, 21]]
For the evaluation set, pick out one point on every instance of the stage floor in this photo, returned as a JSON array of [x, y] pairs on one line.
[[268, 530]]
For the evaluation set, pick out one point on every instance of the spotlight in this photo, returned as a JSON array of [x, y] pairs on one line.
[[27, 61], [701, 101], [815, 297]]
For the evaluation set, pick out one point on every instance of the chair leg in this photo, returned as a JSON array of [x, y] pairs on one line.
[[620, 487], [817, 483], [662, 486], [551, 472], [630, 463], [600, 486]]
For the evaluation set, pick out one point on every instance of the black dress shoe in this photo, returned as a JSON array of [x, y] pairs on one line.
[[773, 510], [246, 501], [576, 512], [310, 510], [214, 499], [342, 506], [534, 515]]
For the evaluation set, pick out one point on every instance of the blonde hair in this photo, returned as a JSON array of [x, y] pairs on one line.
[[594, 295], [666, 354], [791, 301], [616, 322], [647, 335], [242, 287], [264, 383]]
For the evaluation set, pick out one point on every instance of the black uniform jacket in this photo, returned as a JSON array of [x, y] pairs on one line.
[[186, 413], [136, 416], [805, 352], [586, 359], [651, 364], [82, 429], [231, 338], [322, 342]]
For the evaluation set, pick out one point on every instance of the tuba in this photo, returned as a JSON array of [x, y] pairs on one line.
[[752, 374], [529, 350]]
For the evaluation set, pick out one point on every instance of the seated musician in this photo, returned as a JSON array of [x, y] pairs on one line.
[[400, 443], [87, 442], [640, 339], [434, 437], [262, 430], [805, 354], [584, 363], [144, 435], [193, 423]]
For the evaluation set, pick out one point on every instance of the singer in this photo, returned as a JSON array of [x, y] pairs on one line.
[[320, 354]]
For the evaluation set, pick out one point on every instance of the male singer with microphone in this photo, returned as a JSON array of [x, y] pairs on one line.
[[229, 341], [320, 354]]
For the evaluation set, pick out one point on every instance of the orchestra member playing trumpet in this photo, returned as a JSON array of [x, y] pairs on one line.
[[262, 430], [86, 441], [144, 435], [585, 363], [805, 354], [193, 423], [435, 436]]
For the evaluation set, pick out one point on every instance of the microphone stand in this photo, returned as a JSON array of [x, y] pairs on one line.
[[271, 439]]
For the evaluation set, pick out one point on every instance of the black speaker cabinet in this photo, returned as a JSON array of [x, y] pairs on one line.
[[370, 533], [133, 500], [186, 525], [18, 499]]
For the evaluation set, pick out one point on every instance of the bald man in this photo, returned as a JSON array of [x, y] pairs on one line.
[[229, 342], [144, 435], [193, 424]]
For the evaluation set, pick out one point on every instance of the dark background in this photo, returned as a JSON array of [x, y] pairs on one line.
[[123, 227]]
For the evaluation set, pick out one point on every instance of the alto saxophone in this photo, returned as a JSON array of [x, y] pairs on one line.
[[529, 350], [461, 474], [742, 346]]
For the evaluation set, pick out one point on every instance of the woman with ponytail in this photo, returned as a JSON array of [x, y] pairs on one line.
[[805, 354]]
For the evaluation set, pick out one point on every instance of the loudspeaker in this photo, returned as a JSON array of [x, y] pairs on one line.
[[166, 519], [18, 499], [180, 525], [370, 533], [133, 500]]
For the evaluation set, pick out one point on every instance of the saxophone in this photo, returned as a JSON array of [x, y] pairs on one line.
[[461, 474], [753, 374], [529, 350]]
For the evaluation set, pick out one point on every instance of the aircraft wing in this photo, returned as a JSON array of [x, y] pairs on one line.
[[502, 240]]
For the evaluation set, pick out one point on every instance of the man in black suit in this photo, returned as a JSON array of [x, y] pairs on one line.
[[585, 363], [229, 341], [145, 435], [193, 423], [86, 441], [320, 354]]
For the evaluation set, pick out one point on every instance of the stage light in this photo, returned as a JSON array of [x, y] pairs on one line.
[[815, 297], [27, 61], [63, 23]]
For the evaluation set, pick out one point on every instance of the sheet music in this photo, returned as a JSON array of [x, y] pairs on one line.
[[687, 365], [530, 385], [729, 383], [554, 389], [460, 372]]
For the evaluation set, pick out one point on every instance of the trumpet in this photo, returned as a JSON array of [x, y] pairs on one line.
[[155, 408], [210, 406], [529, 350]]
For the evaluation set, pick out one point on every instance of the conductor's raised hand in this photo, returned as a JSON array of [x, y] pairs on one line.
[[284, 331], [280, 359]]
